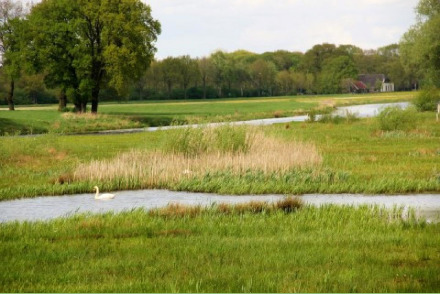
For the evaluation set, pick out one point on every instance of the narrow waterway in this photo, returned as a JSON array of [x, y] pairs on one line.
[[361, 111], [46, 208]]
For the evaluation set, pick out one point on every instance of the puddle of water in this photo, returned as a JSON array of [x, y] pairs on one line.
[[46, 208]]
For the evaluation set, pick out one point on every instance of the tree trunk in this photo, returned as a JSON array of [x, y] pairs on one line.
[[95, 99], [10, 97], [62, 100], [83, 107], [204, 88]]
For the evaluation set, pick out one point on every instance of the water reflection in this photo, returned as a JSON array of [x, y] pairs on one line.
[[46, 208]]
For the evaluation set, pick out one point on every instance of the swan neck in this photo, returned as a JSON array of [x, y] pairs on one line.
[[97, 193]]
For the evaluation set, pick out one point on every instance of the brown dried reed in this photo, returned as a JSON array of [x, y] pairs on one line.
[[153, 168]]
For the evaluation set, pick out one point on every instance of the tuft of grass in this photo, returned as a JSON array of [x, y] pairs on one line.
[[397, 119], [287, 205], [194, 141], [87, 122]]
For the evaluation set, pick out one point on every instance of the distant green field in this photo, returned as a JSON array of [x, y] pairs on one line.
[[43, 119]]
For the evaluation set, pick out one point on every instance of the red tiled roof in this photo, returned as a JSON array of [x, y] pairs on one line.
[[360, 85]]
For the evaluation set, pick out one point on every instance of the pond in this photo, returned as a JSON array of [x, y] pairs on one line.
[[46, 208]]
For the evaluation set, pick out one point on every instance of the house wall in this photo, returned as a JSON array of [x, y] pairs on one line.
[[387, 87]]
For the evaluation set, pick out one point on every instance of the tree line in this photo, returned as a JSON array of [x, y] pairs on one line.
[[92, 50], [324, 69]]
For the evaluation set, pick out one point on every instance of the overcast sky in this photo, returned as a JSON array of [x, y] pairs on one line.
[[199, 27]]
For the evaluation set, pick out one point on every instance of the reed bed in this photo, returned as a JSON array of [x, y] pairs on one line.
[[253, 152]]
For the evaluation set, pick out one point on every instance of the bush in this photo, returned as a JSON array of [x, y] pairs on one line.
[[427, 99], [397, 119]]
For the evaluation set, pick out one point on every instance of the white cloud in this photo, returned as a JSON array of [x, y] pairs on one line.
[[198, 27]]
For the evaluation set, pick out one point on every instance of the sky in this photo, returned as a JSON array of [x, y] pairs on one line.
[[200, 27]]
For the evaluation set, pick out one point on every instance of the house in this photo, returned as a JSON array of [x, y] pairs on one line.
[[377, 82], [358, 87]]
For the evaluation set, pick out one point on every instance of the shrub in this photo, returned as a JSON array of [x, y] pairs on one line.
[[427, 99], [397, 119]]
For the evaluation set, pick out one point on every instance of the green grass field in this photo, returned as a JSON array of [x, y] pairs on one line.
[[44, 119], [356, 158], [329, 249], [247, 248]]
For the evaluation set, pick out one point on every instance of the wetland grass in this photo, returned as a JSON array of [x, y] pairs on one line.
[[197, 152], [342, 157], [245, 248]]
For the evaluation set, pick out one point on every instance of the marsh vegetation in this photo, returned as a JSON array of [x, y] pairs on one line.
[[247, 248]]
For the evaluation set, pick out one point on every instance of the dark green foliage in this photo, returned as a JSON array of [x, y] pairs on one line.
[[84, 46]]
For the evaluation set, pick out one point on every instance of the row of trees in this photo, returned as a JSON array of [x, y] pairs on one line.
[[324, 69], [90, 50]]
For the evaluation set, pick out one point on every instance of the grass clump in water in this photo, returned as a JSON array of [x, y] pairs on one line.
[[287, 205]]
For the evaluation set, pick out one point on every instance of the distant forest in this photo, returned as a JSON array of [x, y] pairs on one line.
[[324, 69]]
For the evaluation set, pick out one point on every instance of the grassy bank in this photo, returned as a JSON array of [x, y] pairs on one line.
[[35, 120], [246, 249], [334, 157]]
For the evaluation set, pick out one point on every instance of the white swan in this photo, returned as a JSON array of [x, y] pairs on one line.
[[102, 196]]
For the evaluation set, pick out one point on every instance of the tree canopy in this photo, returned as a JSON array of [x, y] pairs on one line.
[[87, 45], [420, 46]]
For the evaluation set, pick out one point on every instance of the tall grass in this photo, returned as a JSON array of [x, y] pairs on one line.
[[397, 119], [194, 152], [223, 249], [223, 139]]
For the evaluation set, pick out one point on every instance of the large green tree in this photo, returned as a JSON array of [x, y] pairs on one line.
[[11, 43], [334, 72], [98, 44], [420, 46]]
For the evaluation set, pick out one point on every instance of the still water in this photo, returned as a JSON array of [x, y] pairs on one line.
[[361, 111], [46, 208]]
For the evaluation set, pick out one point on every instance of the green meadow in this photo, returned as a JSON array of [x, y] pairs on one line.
[[247, 248], [345, 156], [255, 247], [45, 119]]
